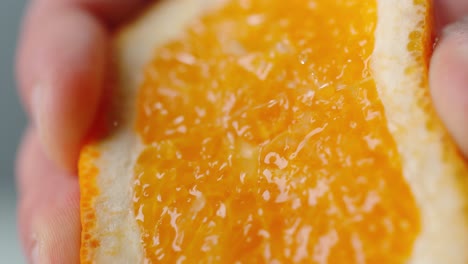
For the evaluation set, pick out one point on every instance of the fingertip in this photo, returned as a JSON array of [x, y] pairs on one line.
[[48, 206], [56, 234], [448, 80], [62, 72]]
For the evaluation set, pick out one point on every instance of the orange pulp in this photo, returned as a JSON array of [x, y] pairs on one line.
[[266, 142]]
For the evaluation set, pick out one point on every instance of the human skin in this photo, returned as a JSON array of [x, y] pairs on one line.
[[61, 69]]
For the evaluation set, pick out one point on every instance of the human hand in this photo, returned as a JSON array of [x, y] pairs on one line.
[[448, 75], [61, 73]]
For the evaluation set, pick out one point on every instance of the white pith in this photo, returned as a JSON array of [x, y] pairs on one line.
[[444, 234]]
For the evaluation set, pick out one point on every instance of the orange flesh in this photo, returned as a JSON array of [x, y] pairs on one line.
[[266, 141]]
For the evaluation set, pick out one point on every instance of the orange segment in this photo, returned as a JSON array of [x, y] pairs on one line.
[[266, 141]]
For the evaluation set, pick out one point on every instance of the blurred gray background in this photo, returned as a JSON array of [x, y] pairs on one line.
[[12, 122]]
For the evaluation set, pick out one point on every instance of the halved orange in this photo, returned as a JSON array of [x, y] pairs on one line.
[[269, 131]]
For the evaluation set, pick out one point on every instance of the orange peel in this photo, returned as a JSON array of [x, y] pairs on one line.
[[274, 132]]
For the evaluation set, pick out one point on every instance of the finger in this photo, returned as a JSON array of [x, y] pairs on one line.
[[61, 70], [110, 12], [449, 11], [449, 82], [62, 66], [48, 207]]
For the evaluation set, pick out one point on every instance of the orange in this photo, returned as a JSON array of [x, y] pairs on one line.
[[274, 131]]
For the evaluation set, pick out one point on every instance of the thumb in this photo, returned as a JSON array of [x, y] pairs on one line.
[[448, 79]]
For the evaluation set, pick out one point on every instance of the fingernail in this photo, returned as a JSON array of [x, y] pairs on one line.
[[41, 115], [35, 253], [458, 27], [38, 104], [45, 114]]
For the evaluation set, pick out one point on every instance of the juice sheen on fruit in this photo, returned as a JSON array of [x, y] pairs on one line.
[[266, 142]]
